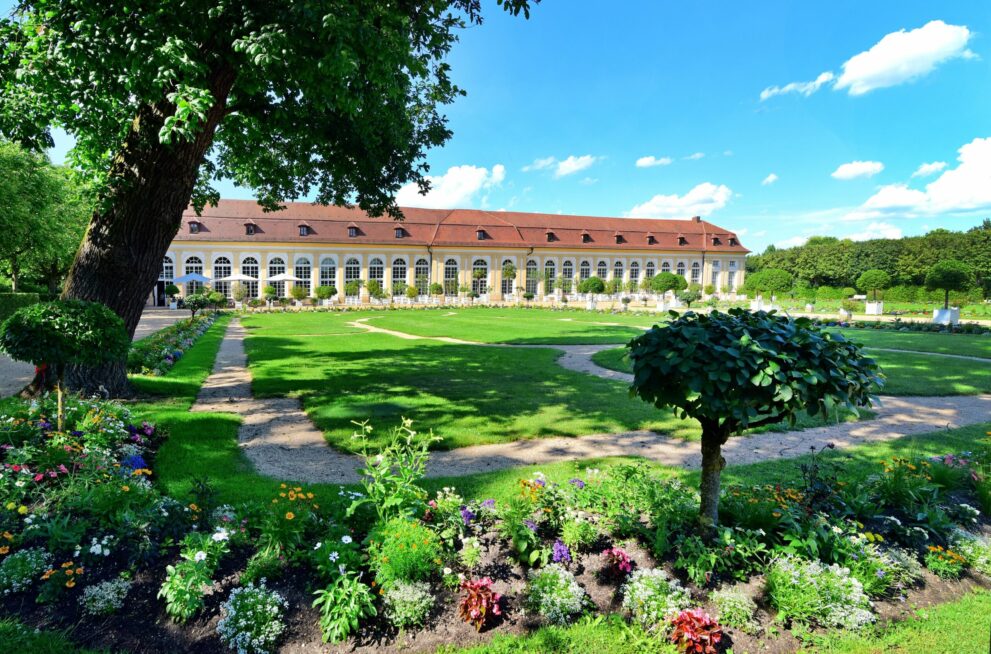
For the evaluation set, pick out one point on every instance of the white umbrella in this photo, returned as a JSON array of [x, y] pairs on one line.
[[191, 277], [285, 277], [237, 278]]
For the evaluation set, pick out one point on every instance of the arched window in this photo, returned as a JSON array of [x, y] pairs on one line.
[[714, 280], [303, 270], [451, 277], [635, 272], [649, 269], [328, 272], [531, 276], [508, 276], [249, 268], [567, 276], [480, 277], [222, 268], [376, 272], [696, 272], [666, 266], [584, 271], [277, 266], [550, 276], [193, 265], [603, 270], [168, 270], [352, 273], [681, 269], [398, 276], [617, 271], [421, 273]]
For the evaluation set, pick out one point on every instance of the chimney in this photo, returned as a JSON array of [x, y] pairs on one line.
[[696, 219]]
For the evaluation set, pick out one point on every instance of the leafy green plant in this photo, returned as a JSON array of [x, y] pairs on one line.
[[520, 530], [944, 563], [578, 533], [739, 370], [813, 594], [401, 549], [184, 587], [407, 604], [343, 604], [64, 333], [949, 275], [554, 593], [735, 553], [470, 555], [736, 609]]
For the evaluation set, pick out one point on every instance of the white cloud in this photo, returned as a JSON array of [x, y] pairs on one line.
[[588, 181], [453, 189], [899, 57], [903, 56], [562, 168], [856, 169], [770, 179], [964, 188], [651, 160], [696, 156], [802, 88], [727, 153], [700, 201], [876, 230], [792, 242], [927, 169]]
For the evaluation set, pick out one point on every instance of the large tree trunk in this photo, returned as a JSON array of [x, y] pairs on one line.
[[150, 184], [713, 439]]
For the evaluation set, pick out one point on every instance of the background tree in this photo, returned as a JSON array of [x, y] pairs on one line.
[[338, 98], [238, 291], [872, 281], [770, 280], [950, 275], [740, 370], [690, 295], [298, 292], [63, 333], [593, 285], [667, 281]]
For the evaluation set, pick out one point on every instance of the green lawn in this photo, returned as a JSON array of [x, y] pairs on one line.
[[962, 344], [510, 325], [907, 373]]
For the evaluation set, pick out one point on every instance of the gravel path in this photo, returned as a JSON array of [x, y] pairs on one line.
[[281, 441], [15, 375]]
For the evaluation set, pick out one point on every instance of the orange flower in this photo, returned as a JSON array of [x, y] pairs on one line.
[[125, 488], [4, 549], [193, 507], [79, 571], [282, 485], [8, 535], [71, 583], [290, 515]]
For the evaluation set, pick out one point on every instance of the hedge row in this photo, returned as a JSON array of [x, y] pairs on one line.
[[11, 302]]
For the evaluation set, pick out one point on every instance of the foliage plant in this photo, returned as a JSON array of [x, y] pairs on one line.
[[554, 593], [593, 285], [944, 562], [652, 598], [975, 549], [813, 594], [479, 604], [197, 302], [106, 597], [735, 553], [470, 555], [739, 370], [402, 549], [408, 603], [390, 476], [64, 333], [326, 292], [736, 609], [252, 619], [343, 604], [186, 582], [287, 520], [617, 562], [519, 528], [693, 631], [19, 570], [949, 275], [577, 531]]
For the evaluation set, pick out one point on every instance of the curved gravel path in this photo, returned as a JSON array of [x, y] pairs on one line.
[[282, 442]]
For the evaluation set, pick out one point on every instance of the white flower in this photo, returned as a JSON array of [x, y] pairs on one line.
[[220, 535], [347, 540], [448, 571], [317, 546], [334, 556], [199, 556]]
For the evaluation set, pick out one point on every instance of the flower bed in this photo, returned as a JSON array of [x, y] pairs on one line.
[[157, 353], [392, 567]]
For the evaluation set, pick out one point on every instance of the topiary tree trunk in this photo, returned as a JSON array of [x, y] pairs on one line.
[[713, 439]]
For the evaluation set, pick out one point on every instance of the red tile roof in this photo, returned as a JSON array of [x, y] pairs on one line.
[[450, 227]]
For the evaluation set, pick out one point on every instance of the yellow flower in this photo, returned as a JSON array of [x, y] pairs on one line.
[[290, 515], [275, 501], [22, 509], [282, 485], [10, 506], [125, 488], [4, 549], [193, 507], [309, 496], [8, 535]]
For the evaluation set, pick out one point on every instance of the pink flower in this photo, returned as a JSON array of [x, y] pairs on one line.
[[39, 477]]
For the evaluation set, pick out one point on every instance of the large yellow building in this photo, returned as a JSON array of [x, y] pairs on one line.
[[457, 248]]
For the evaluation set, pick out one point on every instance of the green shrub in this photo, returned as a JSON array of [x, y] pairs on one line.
[[593, 285], [813, 594], [944, 562], [326, 292], [407, 604], [19, 570], [403, 550], [652, 597], [343, 604], [976, 549], [734, 553], [736, 609], [577, 532], [11, 302], [554, 593]]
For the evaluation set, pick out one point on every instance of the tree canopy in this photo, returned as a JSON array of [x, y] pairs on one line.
[[874, 280], [949, 275], [739, 370], [769, 280], [667, 281]]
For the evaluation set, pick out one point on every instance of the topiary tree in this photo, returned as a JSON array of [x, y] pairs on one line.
[[709, 289], [739, 370], [197, 302], [690, 295], [171, 291], [375, 289], [298, 292], [593, 285], [667, 281], [949, 275], [217, 299], [239, 291], [872, 281], [59, 334], [270, 293], [436, 289], [326, 292], [770, 280]]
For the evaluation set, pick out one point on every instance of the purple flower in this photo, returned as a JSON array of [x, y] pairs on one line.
[[531, 525], [134, 462], [44, 425], [577, 483], [560, 553], [488, 504], [467, 515], [540, 482]]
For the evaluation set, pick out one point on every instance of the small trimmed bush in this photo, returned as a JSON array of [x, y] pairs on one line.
[[403, 550], [554, 593]]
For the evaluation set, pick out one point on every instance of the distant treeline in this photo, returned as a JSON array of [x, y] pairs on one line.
[[829, 262]]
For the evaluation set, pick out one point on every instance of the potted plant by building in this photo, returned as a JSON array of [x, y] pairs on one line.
[[509, 272], [325, 293], [172, 291], [217, 300], [63, 333], [238, 292], [528, 297], [298, 293], [872, 281], [197, 302], [690, 295], [946, 276], [437, 290], [352, 291], [590, 288], [625, 301], [665, 282], [709, 290], [271, 294], [412, 293]]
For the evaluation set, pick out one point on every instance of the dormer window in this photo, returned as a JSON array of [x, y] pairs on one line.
[[682, 240], [480, 234], [733, 241], [716, 240], [352, 231], [550, 236], [194, 227], [304, 230], [619, 237], [651, 240], [586, 237], [400, 232], [250, 229]]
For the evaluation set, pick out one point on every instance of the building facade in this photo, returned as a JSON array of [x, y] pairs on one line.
[[497, 255]]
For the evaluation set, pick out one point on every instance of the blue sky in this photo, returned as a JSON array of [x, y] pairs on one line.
[[775, 119]]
